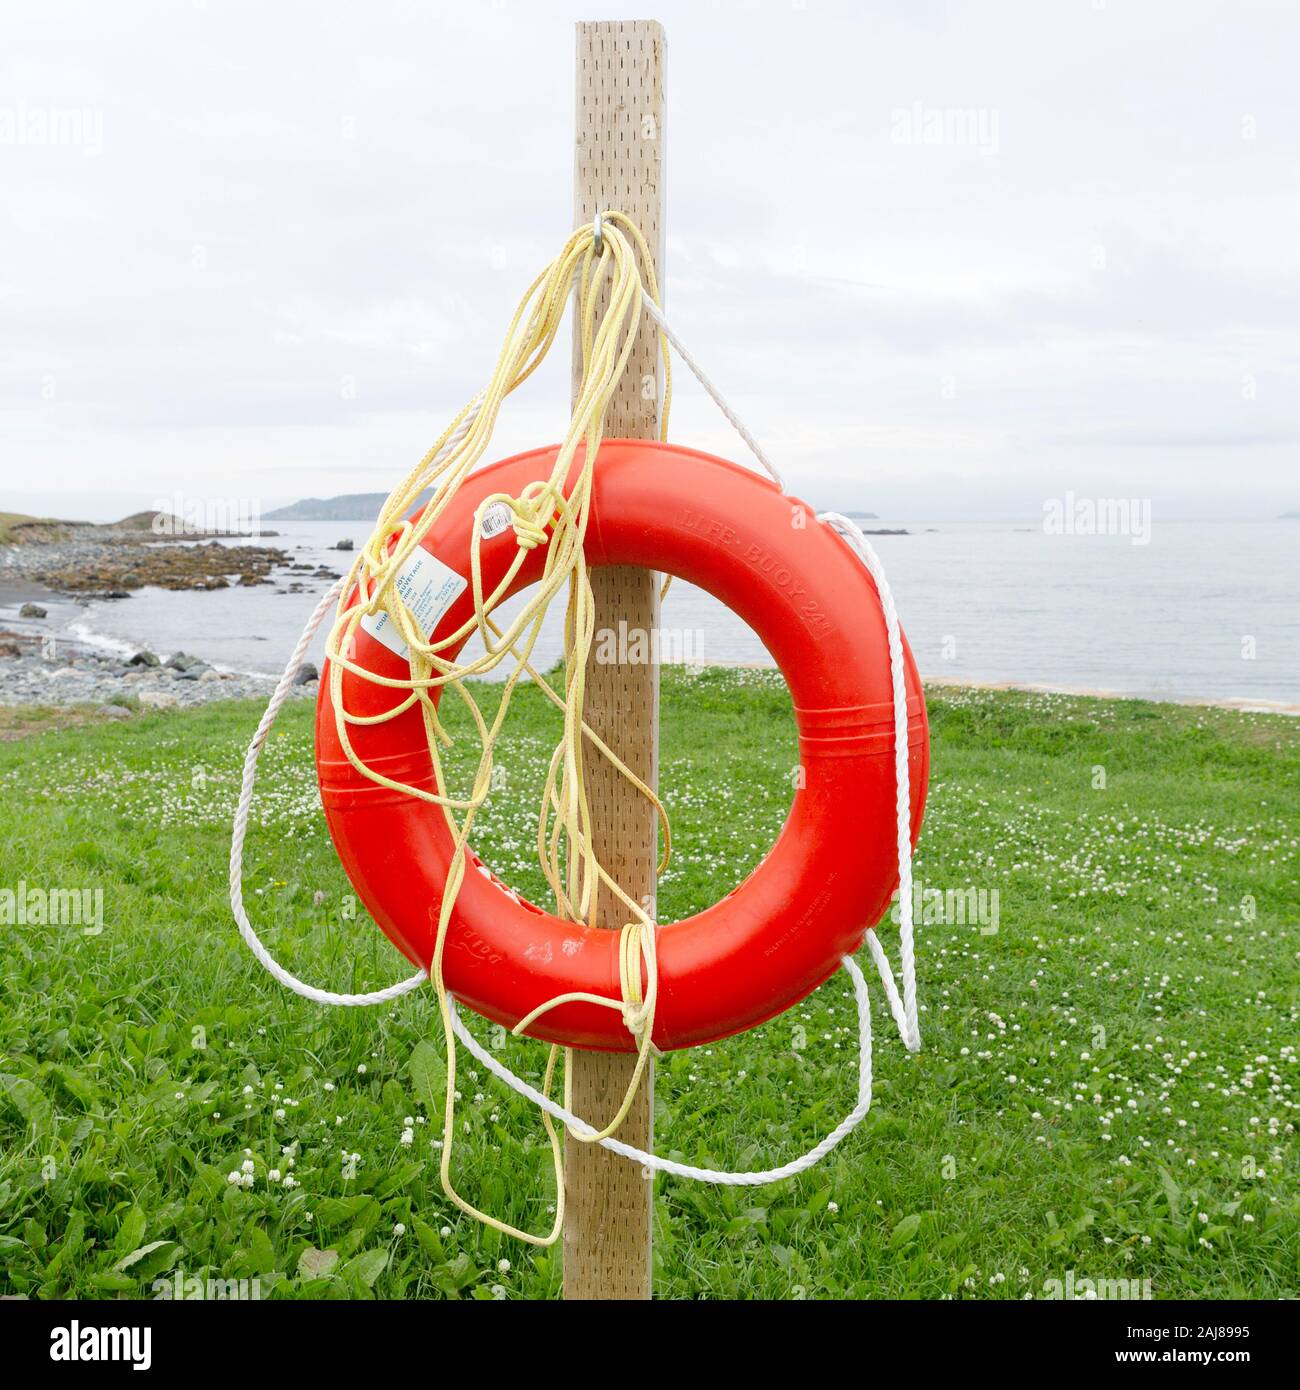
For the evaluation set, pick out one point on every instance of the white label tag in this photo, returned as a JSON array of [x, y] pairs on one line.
[[428, 588], [495, 520]]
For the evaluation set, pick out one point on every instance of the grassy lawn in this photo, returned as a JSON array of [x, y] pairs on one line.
[[1107, 1086]]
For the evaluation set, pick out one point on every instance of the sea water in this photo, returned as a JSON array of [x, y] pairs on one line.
[[1201, 610]]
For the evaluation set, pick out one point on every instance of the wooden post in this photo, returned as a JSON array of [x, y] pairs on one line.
[[618, 167]]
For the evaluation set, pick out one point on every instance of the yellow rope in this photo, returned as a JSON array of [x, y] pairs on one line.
[[542, 515]]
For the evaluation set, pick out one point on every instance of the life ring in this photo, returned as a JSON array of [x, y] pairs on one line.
[[833, 869]]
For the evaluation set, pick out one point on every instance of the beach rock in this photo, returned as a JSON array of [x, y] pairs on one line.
[[208, 674], [344, 545], [193, 673], [144, 658], [31, 610], [307, 674], [10, 649], [158, 699], [109, 563], [114, 711], [182, 661]]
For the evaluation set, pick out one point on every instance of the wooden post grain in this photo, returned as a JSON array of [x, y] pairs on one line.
[[618, 166]]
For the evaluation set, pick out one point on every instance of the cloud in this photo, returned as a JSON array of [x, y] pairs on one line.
[[939, 256]]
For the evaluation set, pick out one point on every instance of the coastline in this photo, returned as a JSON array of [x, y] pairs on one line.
[[1240, 704], [242, 632]]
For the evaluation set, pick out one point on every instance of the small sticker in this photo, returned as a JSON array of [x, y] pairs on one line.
[[495, 520], [428, 588]]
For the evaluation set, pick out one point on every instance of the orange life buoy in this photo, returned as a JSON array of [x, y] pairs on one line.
[[833, 869]]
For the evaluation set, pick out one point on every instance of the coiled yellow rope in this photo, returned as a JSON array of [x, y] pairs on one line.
[[542, 515]]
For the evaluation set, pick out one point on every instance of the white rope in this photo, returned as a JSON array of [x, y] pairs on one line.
[[240, 830], [905, 1014], [904, 1010], [243, 807], [755, 448], [685, 1170]]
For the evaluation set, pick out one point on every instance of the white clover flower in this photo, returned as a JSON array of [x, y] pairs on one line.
[[503, 1266], [273, 1175], [361, 1068], [247, 1165], [445, 1232], [234, 1177], [279, 1114], [832, 1207], [408, 1137], [399, 1229]]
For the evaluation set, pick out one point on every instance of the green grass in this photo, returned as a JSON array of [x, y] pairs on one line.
[[1107, 1085]]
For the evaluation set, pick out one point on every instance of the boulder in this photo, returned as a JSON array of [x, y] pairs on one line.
[[31, 610], [115, 711], [307, 674], [144, 658], [344, 545], [158, 699]]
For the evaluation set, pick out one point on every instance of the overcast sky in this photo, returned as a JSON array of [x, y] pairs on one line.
[[948, 259]]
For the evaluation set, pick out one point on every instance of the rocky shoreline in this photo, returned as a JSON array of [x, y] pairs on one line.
[[39, 670], [92, 561], [46, 564]]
